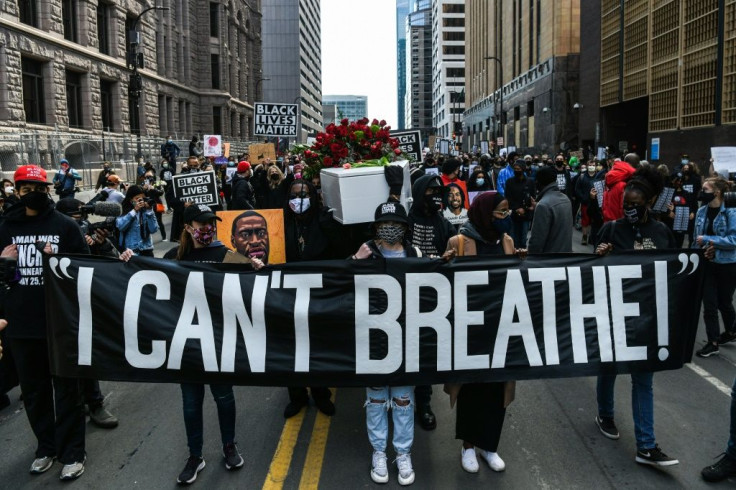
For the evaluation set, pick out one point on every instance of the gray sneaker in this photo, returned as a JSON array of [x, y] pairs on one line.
[[42, 465], [72, 471], [101, 417]]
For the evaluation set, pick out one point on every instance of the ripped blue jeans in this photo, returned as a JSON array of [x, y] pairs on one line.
[[401, 401]]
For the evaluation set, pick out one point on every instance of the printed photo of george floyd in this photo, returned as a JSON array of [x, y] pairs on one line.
[[254, 233]]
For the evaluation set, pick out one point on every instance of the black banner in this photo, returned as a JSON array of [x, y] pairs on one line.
[[372, 322]]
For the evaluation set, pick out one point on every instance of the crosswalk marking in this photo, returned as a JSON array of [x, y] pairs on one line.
[[722, 387]]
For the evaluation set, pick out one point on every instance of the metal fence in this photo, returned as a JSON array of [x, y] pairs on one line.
[[86, 153]]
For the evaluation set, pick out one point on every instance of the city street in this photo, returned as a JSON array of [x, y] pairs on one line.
[[550, 440]]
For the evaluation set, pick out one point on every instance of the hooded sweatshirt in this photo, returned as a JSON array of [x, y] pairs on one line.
[[430, 231], [25, 301], [613, 197]]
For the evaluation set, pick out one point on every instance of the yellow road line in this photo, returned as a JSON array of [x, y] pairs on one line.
[[316, 453], [279, 469]]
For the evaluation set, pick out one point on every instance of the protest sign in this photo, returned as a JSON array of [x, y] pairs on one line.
[[410, 142], [275, 119], [212, 145], [260, 151], [724, 158], [254, 233], [197, 187]]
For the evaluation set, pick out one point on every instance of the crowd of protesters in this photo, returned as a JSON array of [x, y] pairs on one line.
[[463, 205]]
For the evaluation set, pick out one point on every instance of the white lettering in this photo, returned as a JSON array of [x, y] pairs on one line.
[[302, 283], [621, 310], [464, 318], [386, 322], [435, 319], [137, 282], [254, 334]]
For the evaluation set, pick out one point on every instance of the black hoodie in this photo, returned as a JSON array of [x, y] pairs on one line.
[[430, 231], [25, 301]]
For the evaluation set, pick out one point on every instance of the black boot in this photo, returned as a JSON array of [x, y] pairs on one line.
[[426, 417]]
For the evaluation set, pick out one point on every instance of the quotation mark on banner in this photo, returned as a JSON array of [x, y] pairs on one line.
[[62, 265], [685, 260]]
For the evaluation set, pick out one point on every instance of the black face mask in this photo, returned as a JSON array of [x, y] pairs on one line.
[[706, 197], [635, 214], [35, 200], [433, 202], [275, 177]]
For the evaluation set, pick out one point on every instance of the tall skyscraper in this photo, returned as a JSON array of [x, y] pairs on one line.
[[522, 70], [292, 59], [418, 100], [353, 107], [402, 10], [448, 65]]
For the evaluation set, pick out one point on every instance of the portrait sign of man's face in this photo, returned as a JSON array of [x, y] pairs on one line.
[[250, 236], [454, 198]]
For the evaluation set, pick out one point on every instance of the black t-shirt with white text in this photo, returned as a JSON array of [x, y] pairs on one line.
[[25, 302], [652, 235]]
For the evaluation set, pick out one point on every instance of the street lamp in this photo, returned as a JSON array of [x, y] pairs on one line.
[[258, 84], [298, 101], [500, 87], [135, 85]]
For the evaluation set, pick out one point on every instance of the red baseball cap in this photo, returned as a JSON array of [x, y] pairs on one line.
[[30, 173], [243, 167]]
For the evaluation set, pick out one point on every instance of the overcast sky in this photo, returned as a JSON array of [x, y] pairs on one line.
[[359, 53]]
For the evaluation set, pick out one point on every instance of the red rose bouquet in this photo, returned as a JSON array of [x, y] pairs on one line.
[[350, 145]]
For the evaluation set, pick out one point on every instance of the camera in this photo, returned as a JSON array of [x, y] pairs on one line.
[[90, 228], [150, 201], [729, 199]]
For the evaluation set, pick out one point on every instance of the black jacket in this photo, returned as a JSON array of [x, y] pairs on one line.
[[430, 231], [241, 195], [25, 301]]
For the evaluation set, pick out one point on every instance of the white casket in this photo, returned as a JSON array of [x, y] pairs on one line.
[[355, 194]]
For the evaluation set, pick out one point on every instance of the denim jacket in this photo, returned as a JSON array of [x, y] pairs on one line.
[[724, 240], [130, 232]]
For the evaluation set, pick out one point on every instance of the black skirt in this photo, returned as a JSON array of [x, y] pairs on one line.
[[480, 415]]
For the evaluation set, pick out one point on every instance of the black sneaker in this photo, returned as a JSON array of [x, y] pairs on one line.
[[294, 407], [708, 350], [721, 470], [654, 457], [233, 459], [607, 427], [726, 337], [189, 474]]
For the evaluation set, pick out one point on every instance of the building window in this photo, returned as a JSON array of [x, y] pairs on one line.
[[216, 120], [33, 100], [103, 24], [214, 20], [106, 103], [28, 12], [215, 67], [69, 19], [74, 98]]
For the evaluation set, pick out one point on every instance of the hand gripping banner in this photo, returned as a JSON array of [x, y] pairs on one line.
[[372, 322]]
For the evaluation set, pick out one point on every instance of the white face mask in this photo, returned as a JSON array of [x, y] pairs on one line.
[[299, 205]]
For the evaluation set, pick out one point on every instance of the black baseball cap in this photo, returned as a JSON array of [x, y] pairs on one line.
[[200, 213], [391, 211]]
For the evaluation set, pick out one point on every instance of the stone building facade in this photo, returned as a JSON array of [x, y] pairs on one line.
[[530, 102], [64, 67]]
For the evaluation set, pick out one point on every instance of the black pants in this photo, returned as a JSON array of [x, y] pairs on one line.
[[480, 415], [92, 394], [8, 373], [720, 284], [161, 227], [299, 394], [61, 435], [423, 395]]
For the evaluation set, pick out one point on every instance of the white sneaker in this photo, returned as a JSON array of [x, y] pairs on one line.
[[72, 471], [42, 465], [406, 472], [379, 470], [469, 460], [493, 460]]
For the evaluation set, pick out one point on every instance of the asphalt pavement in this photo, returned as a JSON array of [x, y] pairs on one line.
[[549, 441]]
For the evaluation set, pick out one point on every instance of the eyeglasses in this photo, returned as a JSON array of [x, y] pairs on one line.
[[260, 233], [506, 213]]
